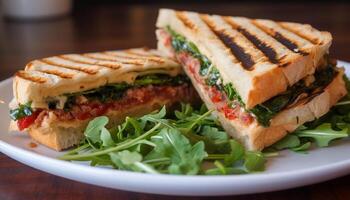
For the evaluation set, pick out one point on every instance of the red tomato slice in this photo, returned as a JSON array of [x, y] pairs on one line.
[[216, 96], [27, 121], [230, 113]]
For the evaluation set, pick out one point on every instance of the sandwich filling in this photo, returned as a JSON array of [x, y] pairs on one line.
[[225, 97], [112, 97]]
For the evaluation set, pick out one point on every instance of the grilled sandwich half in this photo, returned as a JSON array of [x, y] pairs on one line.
[[263, 78], [55, 97]]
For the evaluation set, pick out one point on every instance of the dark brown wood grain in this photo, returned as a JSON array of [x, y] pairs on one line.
[[113, 26]]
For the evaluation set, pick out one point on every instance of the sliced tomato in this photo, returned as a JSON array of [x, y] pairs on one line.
[[25, 122], [216, 96]]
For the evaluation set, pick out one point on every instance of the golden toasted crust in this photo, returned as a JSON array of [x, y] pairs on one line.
[[60, 135], [57, 75], [251, 51]]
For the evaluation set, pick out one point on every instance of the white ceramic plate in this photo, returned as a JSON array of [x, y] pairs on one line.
[[286, 171]]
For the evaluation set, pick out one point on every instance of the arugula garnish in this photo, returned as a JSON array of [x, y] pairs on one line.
[[323, 134], [155, 143], [190, 141], [184, 157]]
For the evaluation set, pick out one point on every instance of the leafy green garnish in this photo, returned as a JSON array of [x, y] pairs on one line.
[[127, 160], [184, 158], [155, 143], [22, 111], [236, 153], [301, 140], [254, 162], [323, 134], [288, 142]]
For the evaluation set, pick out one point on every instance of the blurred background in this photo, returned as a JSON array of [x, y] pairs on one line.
[[31, 29]]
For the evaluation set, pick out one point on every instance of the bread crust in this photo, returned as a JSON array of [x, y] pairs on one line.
[[292, 66], [54, 76], [60, 135]]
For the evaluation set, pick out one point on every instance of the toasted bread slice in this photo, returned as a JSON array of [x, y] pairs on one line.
[[265, 55], [255, 136], [58, 75], [60, 135]]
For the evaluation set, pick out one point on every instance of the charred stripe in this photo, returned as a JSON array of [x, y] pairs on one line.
[[114, 66], [236, 50], [85, 70]]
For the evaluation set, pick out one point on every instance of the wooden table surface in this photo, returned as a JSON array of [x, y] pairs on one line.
[[110, 26]]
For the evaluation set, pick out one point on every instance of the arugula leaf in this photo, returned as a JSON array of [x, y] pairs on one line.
[[186, 126], [323, 134], [127, 160], [185, 158], [237, 153], [224, 171], [129, 128], [238, 161], [302, 148], [103, 160], [289, 141], [186, 111], [254, 161], [106, 138], [97, 134], [155, 117], [214, 134]]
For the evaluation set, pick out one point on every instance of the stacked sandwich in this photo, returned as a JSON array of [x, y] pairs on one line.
[[56, 97], [263, 78]]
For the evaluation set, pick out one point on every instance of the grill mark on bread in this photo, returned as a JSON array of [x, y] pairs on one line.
[[184, 19], [146, 53], [268, 51], [56, 73], [110, 66], [292, 46], [131, 62], [137, 57], [237, 51], [27, 76], [130, 51], [289, 44], [314, 41], [76, 68]]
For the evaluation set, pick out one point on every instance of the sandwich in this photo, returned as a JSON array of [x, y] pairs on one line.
[[56, 97], [263, 78]]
